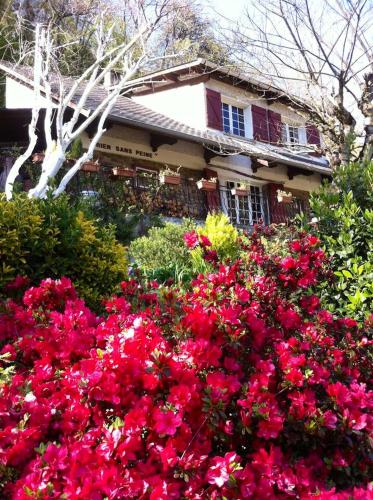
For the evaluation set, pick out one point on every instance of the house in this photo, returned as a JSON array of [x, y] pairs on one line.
[[207, 122]]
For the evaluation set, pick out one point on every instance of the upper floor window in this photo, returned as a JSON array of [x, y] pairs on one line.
[[290, 134], [233, 119]]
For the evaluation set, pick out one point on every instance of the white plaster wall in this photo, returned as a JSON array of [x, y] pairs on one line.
[[185, 104], [182, 153], [189, 155], [243, 98], [17, 95]]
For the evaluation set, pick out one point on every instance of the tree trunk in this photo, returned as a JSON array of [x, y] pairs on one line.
[[366, 107], [50, 167]]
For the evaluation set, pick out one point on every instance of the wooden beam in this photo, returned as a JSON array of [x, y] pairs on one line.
[[92, 127], [294, 171], [209, 154], [158, 140], [255, 165], [260, 162], [326, 177], [171, 77], [166, 85]]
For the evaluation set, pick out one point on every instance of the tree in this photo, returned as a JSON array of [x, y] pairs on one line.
[[126, 56], [193, 33], [319, 55]]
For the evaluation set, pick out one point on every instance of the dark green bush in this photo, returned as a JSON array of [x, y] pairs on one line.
[[54, 238], [344, 213]]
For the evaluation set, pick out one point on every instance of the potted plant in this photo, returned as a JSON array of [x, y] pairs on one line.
[[169, 176], [123, 172], [241, 190], [38, 157], [90, 166], [207, 184], [284, 197]]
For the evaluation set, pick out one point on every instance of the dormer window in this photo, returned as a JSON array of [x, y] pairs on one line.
[[233, 119]]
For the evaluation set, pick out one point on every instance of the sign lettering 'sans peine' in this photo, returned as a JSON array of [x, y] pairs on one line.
[[122, 149]]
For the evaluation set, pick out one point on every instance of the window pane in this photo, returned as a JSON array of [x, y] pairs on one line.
[[233, 119], [256, 205], [238, 121], [231, 203], [293, 135]]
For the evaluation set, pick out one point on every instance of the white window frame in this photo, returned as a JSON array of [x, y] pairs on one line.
[[230, 112], [301, 132], [143, 170], [228, 206]]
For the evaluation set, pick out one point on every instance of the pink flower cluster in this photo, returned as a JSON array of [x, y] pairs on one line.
[[241, 387]]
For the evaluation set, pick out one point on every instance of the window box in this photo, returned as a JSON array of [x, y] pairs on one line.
[[123, 172], [38, 158], [207, 185], [169, 176], [240, 191], [90, 166], [170, 179], [284, 197]]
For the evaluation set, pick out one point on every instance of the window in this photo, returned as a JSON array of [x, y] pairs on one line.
[[243, 210], [145, 177], [233, 119], [290, 134]]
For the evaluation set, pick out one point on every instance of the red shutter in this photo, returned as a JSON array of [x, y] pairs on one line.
[[260, 123], [313, 135], [212, 197], [214, 112], [274, 126], [277, 211]]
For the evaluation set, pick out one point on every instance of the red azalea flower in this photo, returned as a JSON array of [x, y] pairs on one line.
[[191, 239], [204, 241], [166, 421]]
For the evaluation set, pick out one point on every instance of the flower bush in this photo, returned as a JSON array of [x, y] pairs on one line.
[[241, 387], [163, 255]]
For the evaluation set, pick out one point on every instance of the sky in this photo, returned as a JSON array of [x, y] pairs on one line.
[[227, 8]]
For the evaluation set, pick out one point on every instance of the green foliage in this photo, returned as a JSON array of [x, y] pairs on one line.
[[222, 234], [163, 254], [126, 221], [344, 210], [76, 150], [54, 238]]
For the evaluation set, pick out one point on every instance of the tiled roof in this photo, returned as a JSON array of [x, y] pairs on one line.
[[129, 112]]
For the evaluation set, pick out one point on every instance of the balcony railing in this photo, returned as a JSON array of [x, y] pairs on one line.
[[145, 193]]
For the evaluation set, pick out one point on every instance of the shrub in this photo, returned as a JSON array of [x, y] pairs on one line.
[[222, 235], [344, 211], [127, 222], [162, 254], [242, 387], [51, 238]]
